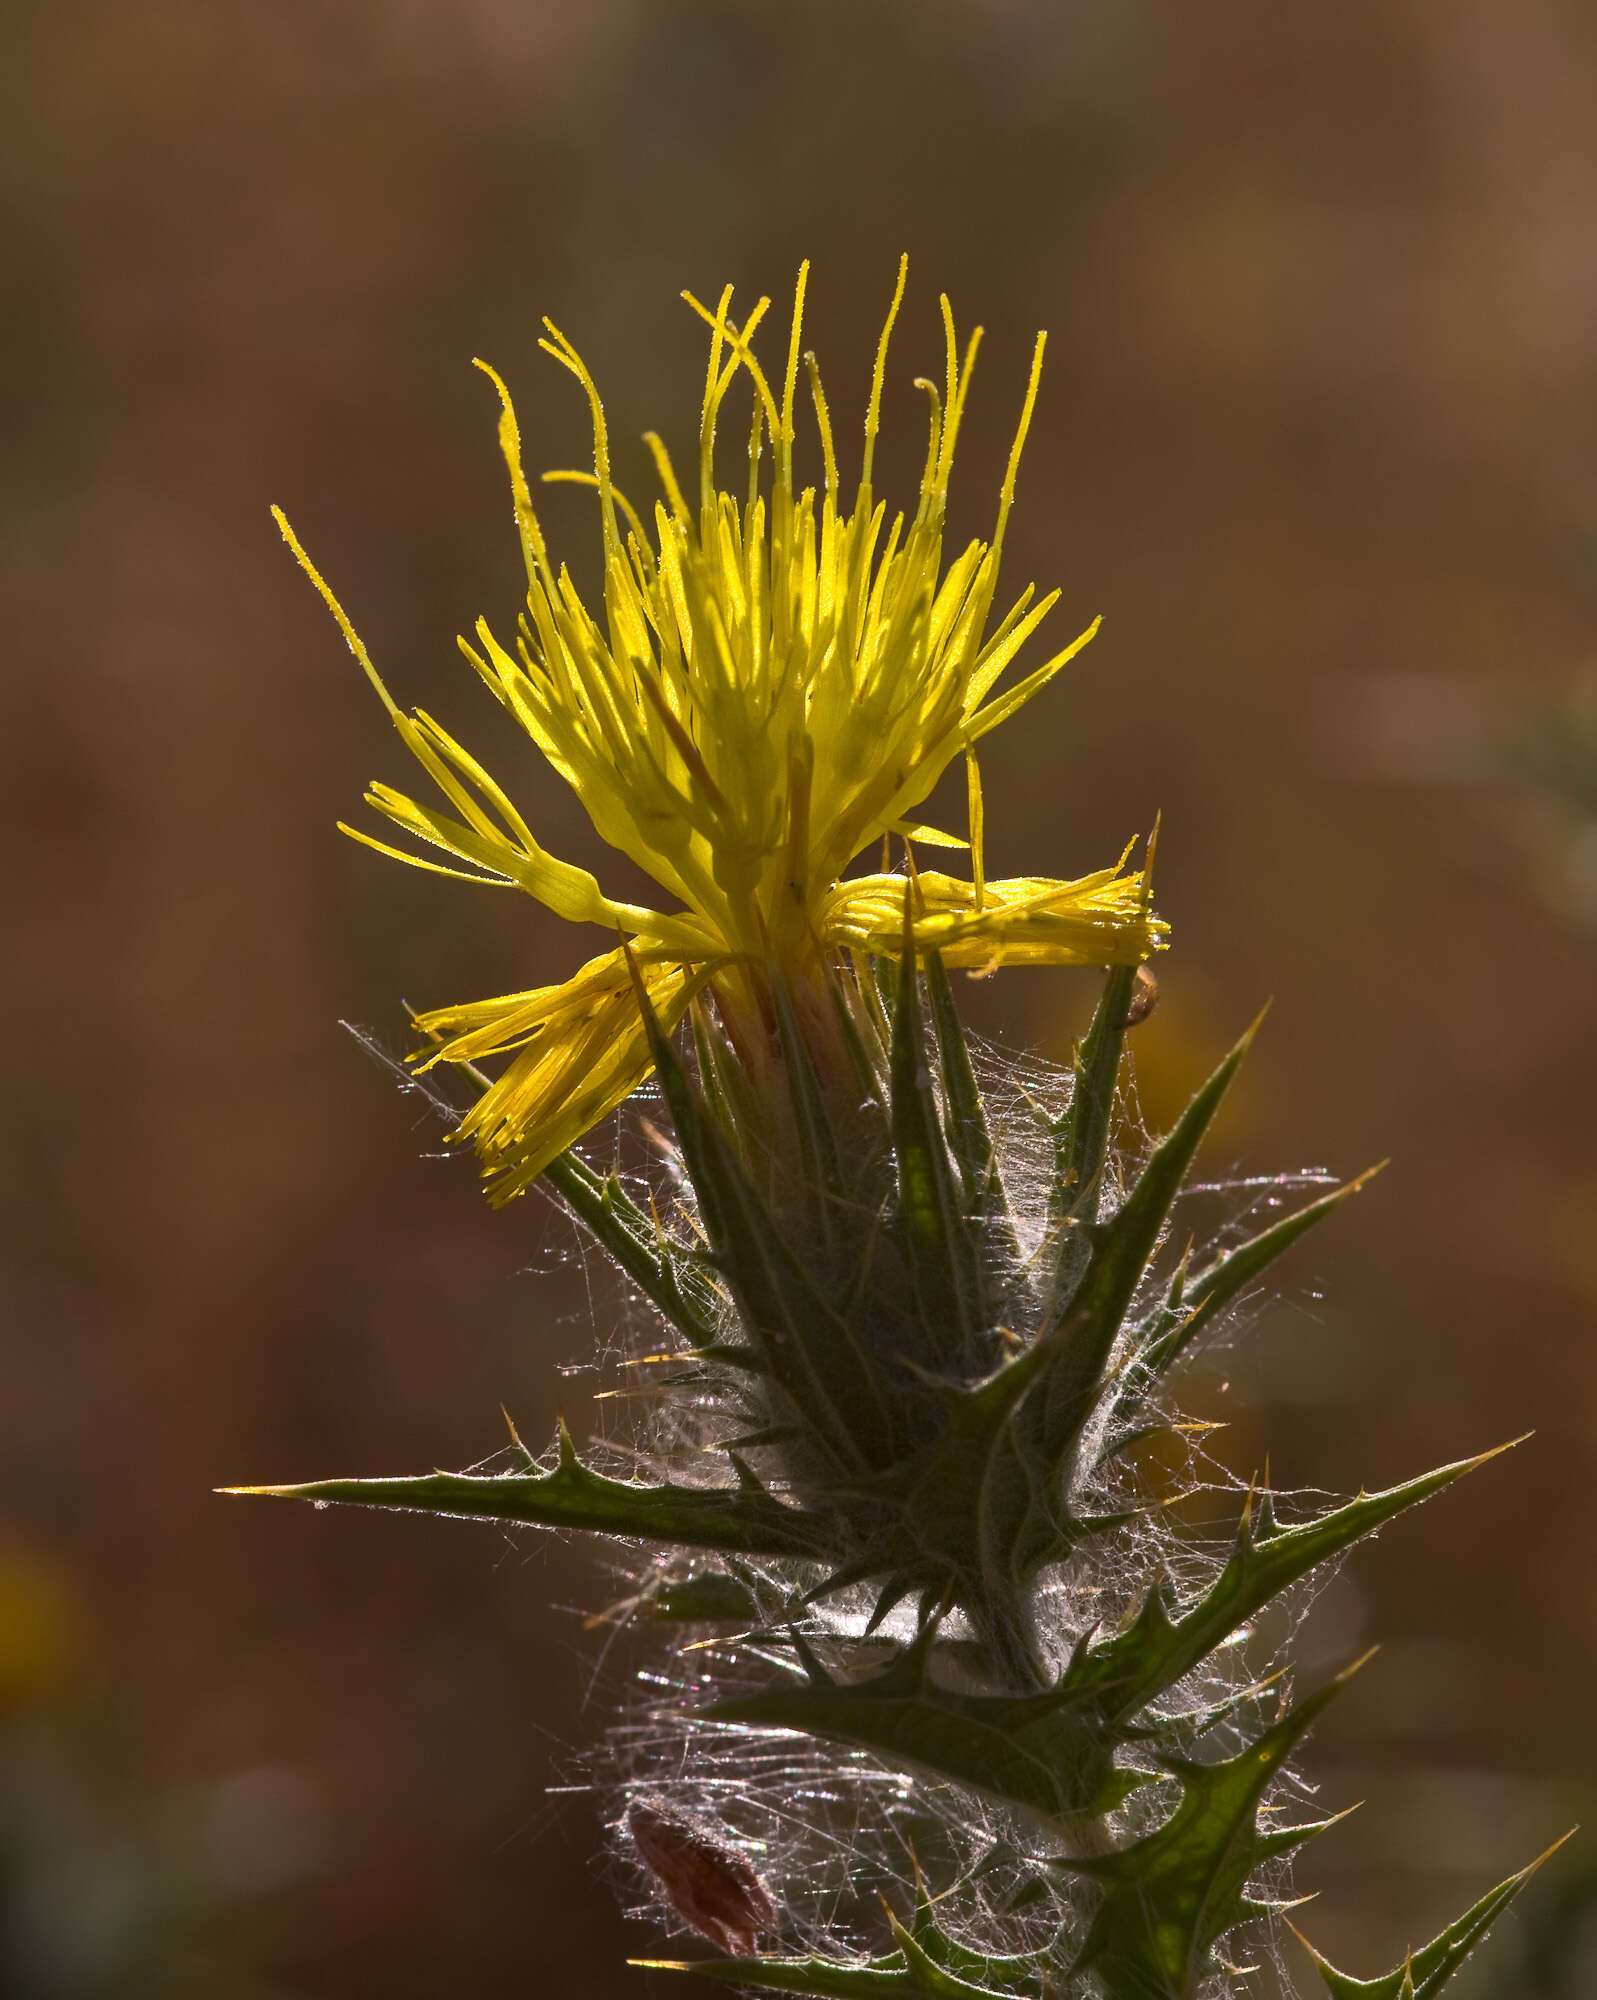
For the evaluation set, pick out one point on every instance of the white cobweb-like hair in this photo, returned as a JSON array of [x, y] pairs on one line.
[[831, 1829]]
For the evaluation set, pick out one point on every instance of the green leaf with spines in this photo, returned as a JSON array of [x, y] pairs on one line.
[[1016, 1973], [722, 1080], [927, 1965], [943, 1514], [969, 1135], [1081, 1134], [1122, 1249], [1038, 1751], [962, 1501], [1171, 1896], [1075, 1400], [572, 1495], [939, 1236], [818, 1162], [898, 1976], [658, 1267], [1160, 1645], [869, 1074], [905, 1527], [1048, 1754], [1425, 1972], [1191, 1306], [653, 1263], [810, 1351]]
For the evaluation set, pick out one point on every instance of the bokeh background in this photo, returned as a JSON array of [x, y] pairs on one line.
[[1318, 436]]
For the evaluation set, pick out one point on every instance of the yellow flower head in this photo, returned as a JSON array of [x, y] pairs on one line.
[[773, 687]]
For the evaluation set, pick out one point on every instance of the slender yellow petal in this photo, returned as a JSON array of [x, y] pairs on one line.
[[1102, 919], [582, 1050], [928, 836]]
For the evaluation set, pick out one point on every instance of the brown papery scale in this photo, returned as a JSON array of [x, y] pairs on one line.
[[1144, 997], [714, 1889]]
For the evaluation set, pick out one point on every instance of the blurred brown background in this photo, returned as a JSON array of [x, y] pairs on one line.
[[1318, 437]]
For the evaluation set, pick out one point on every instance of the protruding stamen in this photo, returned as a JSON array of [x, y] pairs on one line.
[[563, 352], [351, 636], [873, 411], [823, 423], [1006, 497], [533, 552], [666, 473], [784, 443]]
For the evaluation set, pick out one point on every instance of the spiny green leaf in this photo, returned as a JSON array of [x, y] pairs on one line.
[[946, 1513], [969, 1135], [1049, 1753], [1156, 1650], [965, 1500], [723, 1081], [868, 1073], [1121, 1250], [942, 1490], [898, 1974], [1017, 1974], [1169, 1897], [927, 1965], [636, 1244], [1424, 1973], [933, 1969], [937, 1229], [1191, 1306], [885, 971], [572, 1495], [805, 1346], [817, 1143], [1081, 1135]]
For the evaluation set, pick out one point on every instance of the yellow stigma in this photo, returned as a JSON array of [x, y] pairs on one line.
[[773, 685]]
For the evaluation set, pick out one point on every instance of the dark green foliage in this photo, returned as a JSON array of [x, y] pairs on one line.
[[1042, 1753], [1081, 1133], [1192, 1304], [970, 1138], [1118, 1253], [1160, 1646], [572, 1495], [927, 1964], [661, 1270], [1170, 1897], [935, 1215], [826, 1375], [910, 1412], [907, 1972], [1426, 1971]]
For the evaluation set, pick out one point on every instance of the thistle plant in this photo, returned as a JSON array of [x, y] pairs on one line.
[[952, 1693]]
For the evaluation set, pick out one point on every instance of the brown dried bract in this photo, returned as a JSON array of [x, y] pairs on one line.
[[1144, 997], [713, 1888]]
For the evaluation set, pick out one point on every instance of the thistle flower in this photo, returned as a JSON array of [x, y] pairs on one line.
[[773, 688], [915, 1323]]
